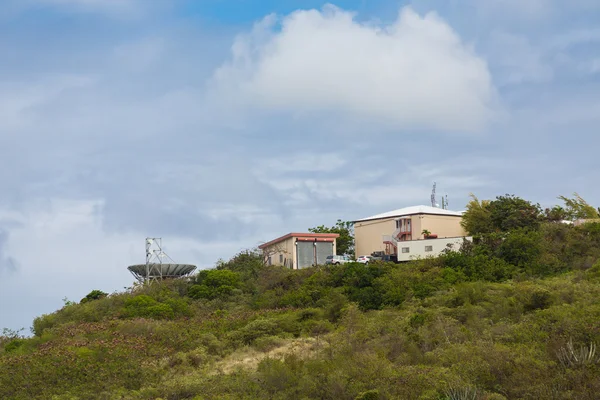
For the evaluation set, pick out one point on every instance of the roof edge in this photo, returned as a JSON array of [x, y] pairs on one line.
[[298, 234], [375, 218]]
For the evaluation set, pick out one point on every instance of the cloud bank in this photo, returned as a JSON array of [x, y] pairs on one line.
[[413, 73]]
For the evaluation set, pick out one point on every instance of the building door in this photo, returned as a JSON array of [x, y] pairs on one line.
[[323, 249], [305, 254]]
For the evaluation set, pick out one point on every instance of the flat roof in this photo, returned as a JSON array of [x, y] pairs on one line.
[[302, 235], [413, 210]]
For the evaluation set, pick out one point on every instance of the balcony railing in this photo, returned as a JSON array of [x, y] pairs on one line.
[[389, 239]]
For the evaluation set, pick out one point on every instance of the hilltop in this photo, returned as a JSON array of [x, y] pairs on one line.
[[514, 315]]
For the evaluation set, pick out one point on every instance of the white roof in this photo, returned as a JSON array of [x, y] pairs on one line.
[[401, 212]]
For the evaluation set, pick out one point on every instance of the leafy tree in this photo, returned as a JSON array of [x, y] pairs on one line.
[[248, 263], [476, 219], [345, 243], [577, 208], [510, 212], [521, 247], [211, 284], [503, 214], [94, 295], [555, 214]]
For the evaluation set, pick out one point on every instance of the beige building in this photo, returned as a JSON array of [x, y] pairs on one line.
[[300, 250], [384, 232]]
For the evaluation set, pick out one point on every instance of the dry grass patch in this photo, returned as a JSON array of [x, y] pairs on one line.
[[248, 358]]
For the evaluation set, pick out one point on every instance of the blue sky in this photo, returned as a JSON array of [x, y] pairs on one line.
[[221, 124]]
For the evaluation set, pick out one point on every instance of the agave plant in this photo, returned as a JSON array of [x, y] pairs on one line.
[[465, 393], [569, 356]]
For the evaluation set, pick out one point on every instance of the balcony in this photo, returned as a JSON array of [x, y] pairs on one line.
[[404, 229]]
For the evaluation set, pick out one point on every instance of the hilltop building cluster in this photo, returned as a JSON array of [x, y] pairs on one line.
[[401, 235]]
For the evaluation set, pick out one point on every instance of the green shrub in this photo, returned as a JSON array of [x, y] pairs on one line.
[[368, 395], [13, 345], [94, 295], [212, 284], [146, 307], [538, 300], [255, 329]]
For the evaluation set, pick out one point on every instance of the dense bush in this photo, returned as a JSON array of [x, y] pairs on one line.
[[211, 284], [94, 295]]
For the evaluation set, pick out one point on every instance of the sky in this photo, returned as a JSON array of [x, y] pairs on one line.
[[218, 125]]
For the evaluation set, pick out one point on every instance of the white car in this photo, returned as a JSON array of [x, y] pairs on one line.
[[335, 260], [364, 259]]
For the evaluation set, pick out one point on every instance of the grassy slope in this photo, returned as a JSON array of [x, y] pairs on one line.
[[501, 338]]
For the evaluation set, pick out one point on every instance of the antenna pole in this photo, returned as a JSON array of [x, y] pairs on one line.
[[151, 253], [148, 257], [155, 268], [433, 200]]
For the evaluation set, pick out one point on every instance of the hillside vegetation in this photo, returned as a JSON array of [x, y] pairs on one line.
[[514, 315]]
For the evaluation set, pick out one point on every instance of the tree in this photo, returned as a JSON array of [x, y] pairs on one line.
[[476, 219], [503, 214], [555, 214], [210, 284], [510, 212], [247, 263], [577, 208], [94, 295], [345, 243]]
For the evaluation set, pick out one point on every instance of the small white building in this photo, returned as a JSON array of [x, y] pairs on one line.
[[423, 248]]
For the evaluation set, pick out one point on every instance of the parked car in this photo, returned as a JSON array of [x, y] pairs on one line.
[[334, 260], [381, 256], [377, 255], [364, 259]]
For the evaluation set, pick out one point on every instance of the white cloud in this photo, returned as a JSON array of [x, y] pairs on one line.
[[413, 73]]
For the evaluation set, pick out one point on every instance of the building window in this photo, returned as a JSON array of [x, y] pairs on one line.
[[406, 249], [281, 259], [428, 248]]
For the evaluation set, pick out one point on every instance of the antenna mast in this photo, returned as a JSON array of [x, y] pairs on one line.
[[433, 199], [155, 268], [154, 257]]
